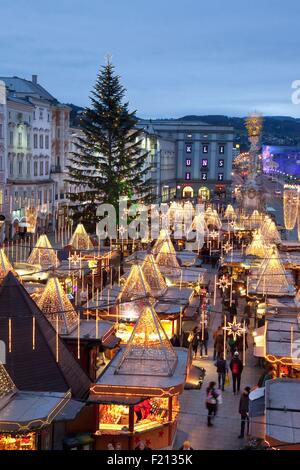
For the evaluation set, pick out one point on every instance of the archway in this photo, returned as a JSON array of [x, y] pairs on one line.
[[187, 192], [204, 193]]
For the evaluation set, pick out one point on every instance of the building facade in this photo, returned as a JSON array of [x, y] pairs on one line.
[[203, 157], [36, 131]]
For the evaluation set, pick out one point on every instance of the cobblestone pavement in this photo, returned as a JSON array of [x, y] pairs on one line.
[[192, 422]]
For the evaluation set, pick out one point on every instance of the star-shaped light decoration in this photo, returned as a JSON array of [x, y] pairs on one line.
[[223, 283], [227, 247], [234, 329], [122, 231], [75, 258], [213, 234]]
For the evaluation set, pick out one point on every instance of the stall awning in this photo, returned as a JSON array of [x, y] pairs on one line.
[[70, 411]]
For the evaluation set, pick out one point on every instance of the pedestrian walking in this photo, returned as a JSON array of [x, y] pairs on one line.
[[244, 411], [218, 341], [236, 367], [186, 446], [211, 402], [222, 370], [203, 341], [195, 341]]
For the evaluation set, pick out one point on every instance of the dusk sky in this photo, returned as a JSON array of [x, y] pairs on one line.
[[175, 57]]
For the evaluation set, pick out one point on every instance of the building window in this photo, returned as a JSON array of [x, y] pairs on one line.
[[35, 168], [11, 138], [35, 141], [204, 176], [220, 176], [28, 141], [41, 114], [205, 148], [222, 148], [20, 167], [221, 163], [41, 168], [189, 135], [47, 168], [204, 162], [188, 148], [188, 175], [48, 117], [19, 139], [28, 167], [11, 167], [188, 162], [41, 141], [46, 141], [1, 131], [34, 115]]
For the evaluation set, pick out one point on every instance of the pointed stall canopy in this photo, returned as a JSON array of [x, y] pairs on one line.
[[36, 358], [80, 239], [148, 351], [166, 259], [43, 253], [54, 303]]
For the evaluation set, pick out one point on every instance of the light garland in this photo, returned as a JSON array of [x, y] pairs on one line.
[[290, 206]]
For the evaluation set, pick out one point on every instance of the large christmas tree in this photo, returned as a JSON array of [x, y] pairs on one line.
[[109, 162]]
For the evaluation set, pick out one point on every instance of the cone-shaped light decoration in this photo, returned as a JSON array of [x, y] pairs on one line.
[[43, 253], [166, 259], [229, 212], [80, 239], [153, 276], [55, 304], [272, 276], [5, 265], [135, 294], [257, 247], [148, 351]]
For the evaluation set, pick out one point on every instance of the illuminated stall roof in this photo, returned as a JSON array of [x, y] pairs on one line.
[[54, 303], [80, 239], [148, 351], [43, 253], [167, 260]]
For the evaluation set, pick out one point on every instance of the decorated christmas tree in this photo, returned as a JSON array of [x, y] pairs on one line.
[[148, 351], [56, 306], [109, 162], [80, 239], [43, 253]]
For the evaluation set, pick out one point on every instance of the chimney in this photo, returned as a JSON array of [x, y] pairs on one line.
[[34, 79]]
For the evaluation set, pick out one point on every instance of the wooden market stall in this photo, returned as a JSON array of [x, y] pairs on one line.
[[137, 394]]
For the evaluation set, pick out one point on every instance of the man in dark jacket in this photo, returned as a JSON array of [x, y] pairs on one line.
[[203, 340], [236, 367], [222, 370], [244, 411]]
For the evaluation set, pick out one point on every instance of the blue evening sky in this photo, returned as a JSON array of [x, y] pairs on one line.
[[175, 57]]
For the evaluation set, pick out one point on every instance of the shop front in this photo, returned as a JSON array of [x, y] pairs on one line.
[[26, 441]]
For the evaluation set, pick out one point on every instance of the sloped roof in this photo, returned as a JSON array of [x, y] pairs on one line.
[[148, 351], [27, 87], [35, 368], [6, 384], [54, 303]]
